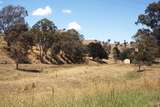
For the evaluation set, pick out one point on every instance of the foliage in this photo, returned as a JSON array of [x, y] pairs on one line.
[[107, 46], [69, 42], [96, 50], [146, 47], [43, 35], [19, 42], [151, 18], [11, 15], [12, 24], [116, 53], [127, 54]]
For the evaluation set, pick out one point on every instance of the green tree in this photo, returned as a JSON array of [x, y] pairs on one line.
[[70, 43], [146, 47], [151, 19], [116, 53], [19, 42], [44, 31], [12, 24], [96, 50], [107, 46], [127, 53], [11, 15]]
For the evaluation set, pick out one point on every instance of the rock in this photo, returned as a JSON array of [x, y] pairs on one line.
[[127, 61], [3, 62], [157, 60]]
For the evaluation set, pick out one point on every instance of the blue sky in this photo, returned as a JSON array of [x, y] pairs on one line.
[[96, 19]]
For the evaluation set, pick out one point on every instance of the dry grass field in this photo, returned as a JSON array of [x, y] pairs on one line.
[[107, 85]]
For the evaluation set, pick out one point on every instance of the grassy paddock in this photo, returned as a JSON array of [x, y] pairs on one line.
[[114, 98], [80, 86]]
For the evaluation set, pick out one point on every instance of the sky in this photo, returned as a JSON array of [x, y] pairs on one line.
[[95, 19]]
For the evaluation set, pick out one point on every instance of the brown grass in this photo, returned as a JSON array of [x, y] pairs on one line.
[[75, 80]]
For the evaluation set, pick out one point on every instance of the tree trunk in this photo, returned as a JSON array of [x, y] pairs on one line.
[[40, 49], [17, 66], [139, 67]]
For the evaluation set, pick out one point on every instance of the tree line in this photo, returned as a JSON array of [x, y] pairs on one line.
[[59, 45], [45, 35], [146, 47]]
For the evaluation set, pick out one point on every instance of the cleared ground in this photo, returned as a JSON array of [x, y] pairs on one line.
[[79, 85]]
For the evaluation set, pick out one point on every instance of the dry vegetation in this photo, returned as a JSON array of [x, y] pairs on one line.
[[89, 84], [108, 85]]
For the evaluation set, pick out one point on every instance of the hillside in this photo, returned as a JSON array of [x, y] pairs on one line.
[[4, 54], [34, 55]]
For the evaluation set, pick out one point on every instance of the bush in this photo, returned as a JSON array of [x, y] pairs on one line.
[[127, 54], [96, 50]]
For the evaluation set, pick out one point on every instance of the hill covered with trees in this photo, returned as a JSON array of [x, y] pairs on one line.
[[45, 43]]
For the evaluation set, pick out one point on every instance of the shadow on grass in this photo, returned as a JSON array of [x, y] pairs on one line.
[[140, 70], [133, 75], [31, 70]]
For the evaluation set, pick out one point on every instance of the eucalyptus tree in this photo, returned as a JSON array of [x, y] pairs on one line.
[[96, 50], [44, 31], [11, 15], [12, 25], [151, 19], [19, 42], [70, 43], [146, 47]]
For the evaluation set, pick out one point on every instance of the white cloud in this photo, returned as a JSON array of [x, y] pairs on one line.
[[42, 11], [74, 25], [66, 11]]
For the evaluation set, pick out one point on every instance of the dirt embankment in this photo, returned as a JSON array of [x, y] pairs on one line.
[[4, 54]]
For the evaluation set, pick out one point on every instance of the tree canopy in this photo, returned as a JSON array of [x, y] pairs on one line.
[[96, 50], [151, 18], [146, 47], [11, 15]]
